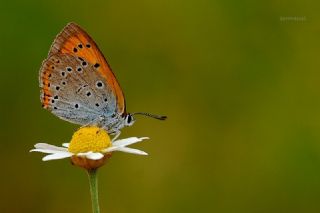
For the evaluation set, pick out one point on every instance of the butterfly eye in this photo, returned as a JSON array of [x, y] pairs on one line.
[[129, 120]]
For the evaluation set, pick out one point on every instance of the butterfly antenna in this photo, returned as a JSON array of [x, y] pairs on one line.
[[159, 117]]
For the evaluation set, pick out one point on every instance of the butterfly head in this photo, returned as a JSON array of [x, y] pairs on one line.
[[129, 119]]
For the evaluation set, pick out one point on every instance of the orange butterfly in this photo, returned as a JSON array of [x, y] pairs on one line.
[[78, 85]]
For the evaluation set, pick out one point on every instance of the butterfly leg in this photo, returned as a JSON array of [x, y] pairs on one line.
[[117, 134]]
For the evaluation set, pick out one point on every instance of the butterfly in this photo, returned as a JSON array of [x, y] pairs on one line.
[[78, 85]]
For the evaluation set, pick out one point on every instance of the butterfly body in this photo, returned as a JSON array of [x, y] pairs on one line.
[[78, 85]]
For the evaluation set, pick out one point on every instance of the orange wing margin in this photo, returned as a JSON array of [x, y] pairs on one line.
[[74, 40]]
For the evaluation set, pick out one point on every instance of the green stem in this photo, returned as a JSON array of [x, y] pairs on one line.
[[93, 181]]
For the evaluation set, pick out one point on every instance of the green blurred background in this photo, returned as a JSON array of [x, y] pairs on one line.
[[239, 81]]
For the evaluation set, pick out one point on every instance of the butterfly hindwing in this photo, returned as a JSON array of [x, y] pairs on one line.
[[73, 40], [73, 89]]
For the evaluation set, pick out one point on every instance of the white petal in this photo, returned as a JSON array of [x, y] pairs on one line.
[[57, 156], [66, 145], [49, 147], [110, 149], [84, 154], [128, 141], [47, 151], [95, 156], [130, 150], [91, 155]]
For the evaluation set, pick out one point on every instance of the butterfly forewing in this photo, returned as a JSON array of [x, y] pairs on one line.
[[76, 42]]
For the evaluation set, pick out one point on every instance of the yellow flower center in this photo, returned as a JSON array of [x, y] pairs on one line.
[[89, 139]]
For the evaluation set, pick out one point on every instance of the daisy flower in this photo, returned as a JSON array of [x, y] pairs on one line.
[[89, 148]]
